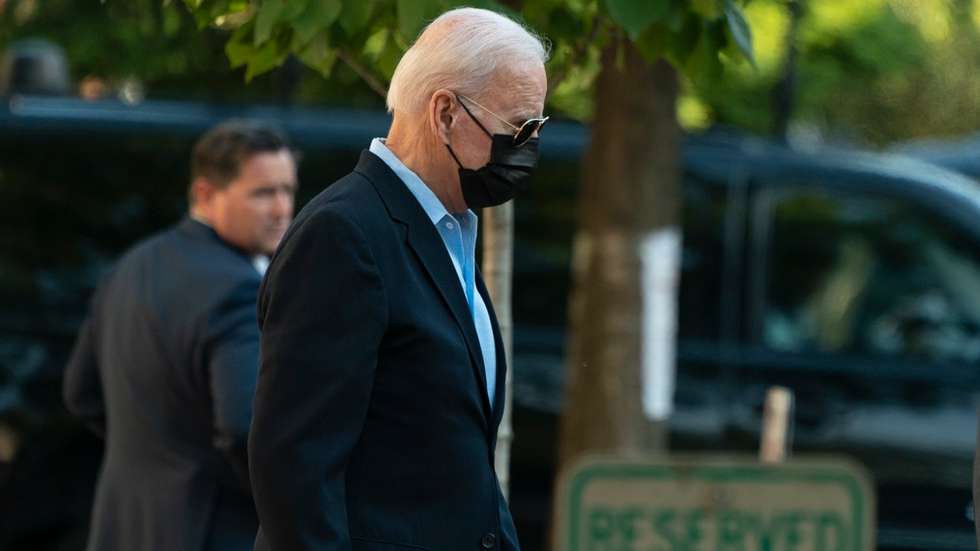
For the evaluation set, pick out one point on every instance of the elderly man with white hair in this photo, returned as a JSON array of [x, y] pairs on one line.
[[381, 384]]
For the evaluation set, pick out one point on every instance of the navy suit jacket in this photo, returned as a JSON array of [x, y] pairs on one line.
[[372, 428], [165, 369]]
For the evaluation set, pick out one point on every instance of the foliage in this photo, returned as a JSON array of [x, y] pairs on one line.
[[874, 72], [369, 36], [160, 44], [141, 38], [194, 49]]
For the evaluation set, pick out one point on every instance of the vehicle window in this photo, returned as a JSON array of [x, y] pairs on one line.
[[856, 273], [699, 305], [544, 228], [64, 222]]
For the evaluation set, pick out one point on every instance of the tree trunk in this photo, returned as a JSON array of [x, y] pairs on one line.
[[630, 192], [498, 249]]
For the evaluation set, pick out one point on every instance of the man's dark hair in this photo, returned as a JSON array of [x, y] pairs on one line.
[[218, 154]]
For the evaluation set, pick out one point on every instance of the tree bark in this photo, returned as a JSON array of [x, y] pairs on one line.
[[630, 191], [498, 249]]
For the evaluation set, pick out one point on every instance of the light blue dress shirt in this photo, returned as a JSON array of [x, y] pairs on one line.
[[458, 232]]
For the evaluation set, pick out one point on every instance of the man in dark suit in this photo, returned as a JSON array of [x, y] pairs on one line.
[[976, 484], [166, 364], [381, 382]]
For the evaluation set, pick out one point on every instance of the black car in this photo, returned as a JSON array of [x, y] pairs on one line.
[[853, 279]]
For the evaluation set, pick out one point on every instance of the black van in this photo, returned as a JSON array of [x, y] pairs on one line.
[[853, 279]]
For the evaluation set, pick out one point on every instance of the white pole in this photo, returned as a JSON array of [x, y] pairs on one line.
[[776, 425]]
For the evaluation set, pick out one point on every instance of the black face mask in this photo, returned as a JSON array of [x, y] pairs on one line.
[[500, 179]]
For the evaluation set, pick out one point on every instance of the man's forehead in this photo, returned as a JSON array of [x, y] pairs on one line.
[[522, 92], [520, 99], [521, 110]]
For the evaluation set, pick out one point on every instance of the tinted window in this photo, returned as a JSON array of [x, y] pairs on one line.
[[544, 227], [872, 275], [701, 264]]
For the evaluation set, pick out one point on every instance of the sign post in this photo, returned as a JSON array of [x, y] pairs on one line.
[[715, 504]]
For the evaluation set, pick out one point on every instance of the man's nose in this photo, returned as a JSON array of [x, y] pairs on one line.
[[283, 204]]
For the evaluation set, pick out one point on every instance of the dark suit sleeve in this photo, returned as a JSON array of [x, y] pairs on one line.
[[82, 384], [233, 365], [976, 485], [322, 313]]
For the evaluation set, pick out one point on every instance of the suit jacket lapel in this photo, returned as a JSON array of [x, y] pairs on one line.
[[501, 379], [427, 245]]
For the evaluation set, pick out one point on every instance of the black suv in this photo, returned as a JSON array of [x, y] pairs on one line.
[[853, 279]]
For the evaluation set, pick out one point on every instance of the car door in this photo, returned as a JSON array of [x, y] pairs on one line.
[[866, 303], [713, 215]]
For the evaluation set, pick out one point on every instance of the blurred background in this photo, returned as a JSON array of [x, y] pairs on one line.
[[831, 235]]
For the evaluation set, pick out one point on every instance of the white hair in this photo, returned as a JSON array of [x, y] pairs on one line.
[[461, 50]]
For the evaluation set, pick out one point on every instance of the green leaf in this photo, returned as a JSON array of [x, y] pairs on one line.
[[292, 9], [562, 22], [636, 15], [239, 48], [202, 18], [266, 58], [267, 17], [171, 21], [707, 9], [354, 16], [318, 55], [235, 6], [654, 42], [388, 59], [739, 30], [374, 46], [238, 53], [678, 16], [206, 13], [683, 42], [415, 14], [319, 15], [703, 65]]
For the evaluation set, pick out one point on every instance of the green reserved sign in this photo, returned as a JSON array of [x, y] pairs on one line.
[[715, 504]]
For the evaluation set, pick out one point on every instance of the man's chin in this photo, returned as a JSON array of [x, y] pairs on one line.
[[271, 244]]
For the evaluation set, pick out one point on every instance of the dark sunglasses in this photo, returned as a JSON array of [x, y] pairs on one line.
[[522, 133]]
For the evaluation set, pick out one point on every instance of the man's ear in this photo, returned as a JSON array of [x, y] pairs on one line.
[[442, 114], [202, 191]]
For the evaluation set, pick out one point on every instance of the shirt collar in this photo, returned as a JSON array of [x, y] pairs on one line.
[[431, 204], [201, 220], [261, 263]]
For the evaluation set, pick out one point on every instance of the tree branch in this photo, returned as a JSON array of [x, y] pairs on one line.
[[364, 73]]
